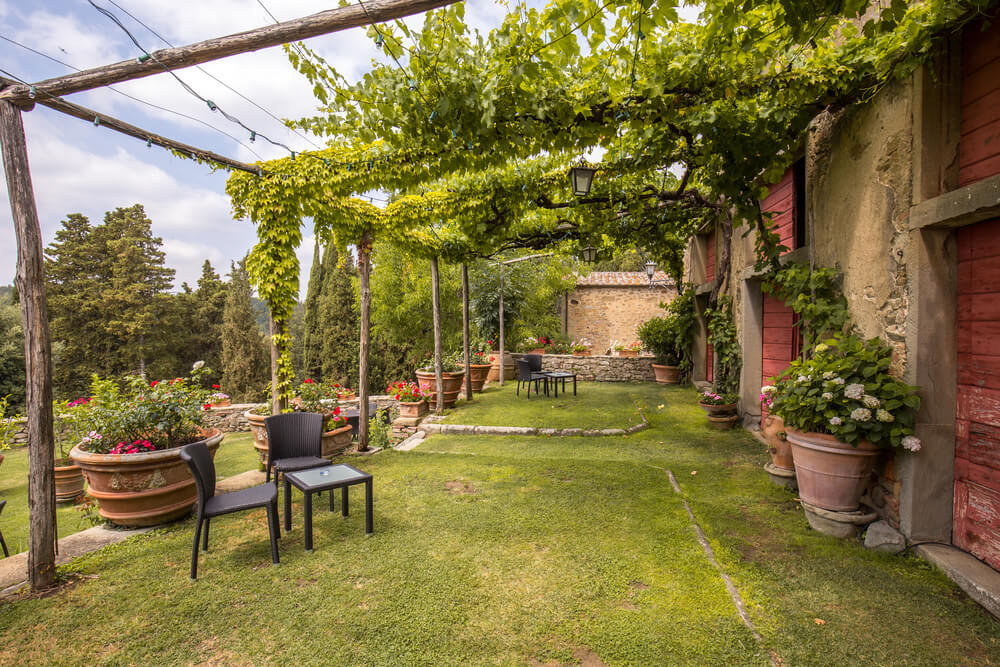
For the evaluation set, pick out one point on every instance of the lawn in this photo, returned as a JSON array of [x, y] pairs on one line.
[[236, 454], [530, 550]]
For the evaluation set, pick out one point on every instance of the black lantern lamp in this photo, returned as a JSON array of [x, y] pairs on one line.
[[650, 270], [589, 254], [580, 179]]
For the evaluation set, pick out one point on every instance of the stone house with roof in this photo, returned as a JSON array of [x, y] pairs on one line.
[[610, 305], [902, 196]]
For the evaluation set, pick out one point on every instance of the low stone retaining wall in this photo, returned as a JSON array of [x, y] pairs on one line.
[[233, 418], [601, 368]]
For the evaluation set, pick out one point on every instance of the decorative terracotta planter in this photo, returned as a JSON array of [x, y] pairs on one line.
[[584, 353], [346, 396], [509, 371], [69, 482], [142, 489], [727, 410], [259, 431], [537, 350], [832, 475], [773, 430], [628, 353], [223, 404], [478, 373], [452, 385], [336, 441], [667, 374], [412, 410], [724, 423]]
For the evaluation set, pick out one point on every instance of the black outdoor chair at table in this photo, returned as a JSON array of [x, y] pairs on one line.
[[294, 442], [199, 460], [534, 362], [526, 376], [2, 543]]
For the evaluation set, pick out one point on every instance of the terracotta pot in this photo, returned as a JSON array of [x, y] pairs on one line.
[[69, 482], [259, 431], [142, 489], [223, 404], [537, 350], [667, 374], [773, 430], [412, 410], [346, 396], [336, 441], [628, 353], [584, 353], [719, 410], [452, 385], [723, 423], [478, 373], [509, 370], [831, 474]]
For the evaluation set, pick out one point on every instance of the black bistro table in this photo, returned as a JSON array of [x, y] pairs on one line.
[[328, 478], [556, 376]]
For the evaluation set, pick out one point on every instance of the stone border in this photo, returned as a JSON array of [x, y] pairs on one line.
[[469, 429]]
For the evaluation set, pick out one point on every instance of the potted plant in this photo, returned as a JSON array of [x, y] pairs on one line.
[[630, 350], [480, 361], [559, 345], [840, 408], [343, 393], [312, 396], [219, 399], [660, 335], [451, 377], [616, 346], [132, 461], [411, 398], [580, 348], [256, 420], [720, 408], [535, 344], [71, 426], [773, 430]]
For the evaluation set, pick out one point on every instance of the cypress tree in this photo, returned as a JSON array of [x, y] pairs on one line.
[[210, 301], [338, 321], [312, 338], [245, 354]]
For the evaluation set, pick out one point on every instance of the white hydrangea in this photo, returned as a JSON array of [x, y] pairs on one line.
[[828, 375], [802, 378], [836, 421], [861, 414], [827, 396], [855, 391], [197, 365], [911, 442], [871, 401], [837, 380], [884, 416]]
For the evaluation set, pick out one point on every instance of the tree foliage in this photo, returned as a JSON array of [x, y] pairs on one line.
[[245, 357]]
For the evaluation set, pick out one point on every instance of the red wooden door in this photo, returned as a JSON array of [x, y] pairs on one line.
[[977, 427], [779, 339], [709, 363]]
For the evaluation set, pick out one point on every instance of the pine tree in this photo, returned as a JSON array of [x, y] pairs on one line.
[[338, 320], [312, 338], [245, 355]]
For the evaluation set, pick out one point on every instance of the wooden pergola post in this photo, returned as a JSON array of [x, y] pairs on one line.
[[30, 283], [276, 402], [364, 281], [438, 362], [465, 331], [502, 341]]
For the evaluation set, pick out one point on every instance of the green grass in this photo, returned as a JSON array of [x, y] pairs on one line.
[[493, 550], [236, 454], [597, 405]]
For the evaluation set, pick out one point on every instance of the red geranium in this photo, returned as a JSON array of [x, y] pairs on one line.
[[154, 383], [308, 381]]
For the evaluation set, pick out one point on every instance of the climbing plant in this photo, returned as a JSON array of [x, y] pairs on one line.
[[725, 346], [814, 295]]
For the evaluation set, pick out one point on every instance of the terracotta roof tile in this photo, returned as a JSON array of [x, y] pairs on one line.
[[618, 279]]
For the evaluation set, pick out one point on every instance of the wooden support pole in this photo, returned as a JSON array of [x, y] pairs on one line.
[[465, 331], [273, 328], [331, 20], [30, 283], [364, 281], [502, 341], [438, 362]]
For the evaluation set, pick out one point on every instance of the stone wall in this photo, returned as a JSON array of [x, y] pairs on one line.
[[230, 419], [601, 368], [601, 314]]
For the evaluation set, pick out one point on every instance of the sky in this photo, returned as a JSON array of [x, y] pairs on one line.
[[79, 168]]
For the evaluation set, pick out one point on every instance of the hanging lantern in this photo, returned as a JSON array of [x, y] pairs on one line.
[[580, 178], [650, 270], [589, 254]]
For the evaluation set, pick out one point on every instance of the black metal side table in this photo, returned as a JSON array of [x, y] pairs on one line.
[[328, 478], [556, 376]]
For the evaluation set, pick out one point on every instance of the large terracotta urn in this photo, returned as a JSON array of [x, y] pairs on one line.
[[509, 367], [773, 430], [832, 475], [451, 386], [667, 374], [69, 482], [478, 373], [335, 441], [142, 489], [259, 430]]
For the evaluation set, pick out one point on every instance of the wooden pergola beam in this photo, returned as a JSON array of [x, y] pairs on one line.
[[112, 123], [331, 20]]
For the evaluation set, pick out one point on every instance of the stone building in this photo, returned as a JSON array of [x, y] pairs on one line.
[[902, 196], [610, 305]]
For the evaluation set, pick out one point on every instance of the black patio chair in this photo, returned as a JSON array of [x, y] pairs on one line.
[[199, 459], [294, 442], [535, 362], [3, 544], [526, 376]]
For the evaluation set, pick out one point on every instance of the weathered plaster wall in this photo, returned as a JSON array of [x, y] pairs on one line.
[[859, 190], [600, 315]]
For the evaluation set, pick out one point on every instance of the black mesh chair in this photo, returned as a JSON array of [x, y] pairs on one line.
[[526, 376], [3, 544], [199, 459], [534, 362], [294, 442]]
